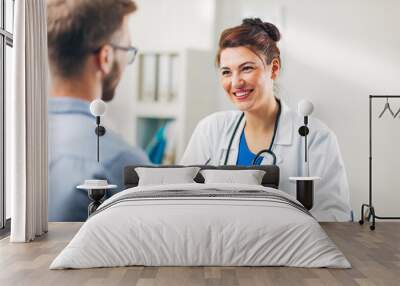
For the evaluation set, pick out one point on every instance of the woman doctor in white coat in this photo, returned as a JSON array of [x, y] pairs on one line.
[[249, 62]]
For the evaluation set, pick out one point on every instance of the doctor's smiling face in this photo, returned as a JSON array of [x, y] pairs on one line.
[[246, 77], [249, 61]]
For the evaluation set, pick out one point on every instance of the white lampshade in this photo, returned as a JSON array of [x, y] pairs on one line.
[[98, 107], [305, 107]]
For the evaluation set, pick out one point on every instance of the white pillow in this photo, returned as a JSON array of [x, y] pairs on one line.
[[248, 177], [163, 176]]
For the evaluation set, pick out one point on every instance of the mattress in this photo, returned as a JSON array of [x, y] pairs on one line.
[[201, 225]]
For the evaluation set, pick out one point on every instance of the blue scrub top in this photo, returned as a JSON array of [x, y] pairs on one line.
[[73, 158], [245, 156]]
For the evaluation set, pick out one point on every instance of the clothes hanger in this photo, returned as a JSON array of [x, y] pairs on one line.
[[398, 111], [387, 107]]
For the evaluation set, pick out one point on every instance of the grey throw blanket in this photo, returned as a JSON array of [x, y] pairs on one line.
[[206, 194]]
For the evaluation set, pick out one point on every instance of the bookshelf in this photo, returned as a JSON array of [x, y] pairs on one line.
[[173, 86]]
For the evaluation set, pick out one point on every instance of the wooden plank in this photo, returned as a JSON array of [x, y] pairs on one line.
[[374, 255]]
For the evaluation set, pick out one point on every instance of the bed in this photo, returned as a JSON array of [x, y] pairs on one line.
[[201, 224]]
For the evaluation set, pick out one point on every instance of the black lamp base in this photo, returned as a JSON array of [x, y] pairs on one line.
[[305, 190], [96, 196], [305, 193]]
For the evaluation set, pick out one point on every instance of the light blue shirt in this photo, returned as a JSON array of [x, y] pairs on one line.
[[73, 158]]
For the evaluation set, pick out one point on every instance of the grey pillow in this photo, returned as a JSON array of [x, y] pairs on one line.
[[248, 177], [163, 176]]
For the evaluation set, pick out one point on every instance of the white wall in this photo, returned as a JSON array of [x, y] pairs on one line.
[[160, 25], [336, 53]]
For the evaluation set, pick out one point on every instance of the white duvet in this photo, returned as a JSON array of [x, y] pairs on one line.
[[183, 231]]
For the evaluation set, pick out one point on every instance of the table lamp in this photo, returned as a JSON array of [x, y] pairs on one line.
[[97, 189], [98, 108], [305, 108], [305, 184]]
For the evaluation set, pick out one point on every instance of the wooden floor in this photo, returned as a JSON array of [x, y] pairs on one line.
[[374, 255]]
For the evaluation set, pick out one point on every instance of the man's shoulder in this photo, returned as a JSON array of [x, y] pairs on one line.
[[81, 145], [69, 120], [110, 158], [120, 151], [114, 143]]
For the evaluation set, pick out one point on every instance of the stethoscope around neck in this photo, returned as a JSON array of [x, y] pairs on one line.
[[268, 151]]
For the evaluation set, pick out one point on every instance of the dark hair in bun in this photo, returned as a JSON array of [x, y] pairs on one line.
[[254, 34], [271, 30]]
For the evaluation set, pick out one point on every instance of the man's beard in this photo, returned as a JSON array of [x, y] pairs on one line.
[[110, 83]]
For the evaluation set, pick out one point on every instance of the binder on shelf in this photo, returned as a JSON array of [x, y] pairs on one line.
[[170, 135], [163, 83], [168, 90], [147, 77], [160, 144], [158, 77], [174, 77]]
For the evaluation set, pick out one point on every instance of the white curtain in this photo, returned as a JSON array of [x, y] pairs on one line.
[[26, 123]]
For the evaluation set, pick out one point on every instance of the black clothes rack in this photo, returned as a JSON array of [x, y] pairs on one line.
[[370, 206]]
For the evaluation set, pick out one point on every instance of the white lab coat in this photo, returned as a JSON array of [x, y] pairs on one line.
[[211, 138]]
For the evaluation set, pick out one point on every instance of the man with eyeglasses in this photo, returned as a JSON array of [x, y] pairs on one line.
[[89, 47]]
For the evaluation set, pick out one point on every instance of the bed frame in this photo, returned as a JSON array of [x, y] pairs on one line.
[[270, 179]]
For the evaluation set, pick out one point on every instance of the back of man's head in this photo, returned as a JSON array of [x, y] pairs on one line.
[[78, 28]]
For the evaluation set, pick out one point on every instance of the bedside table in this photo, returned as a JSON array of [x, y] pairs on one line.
[[97, 190], [305, 190]]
